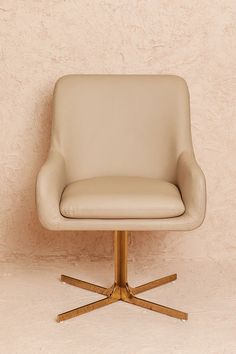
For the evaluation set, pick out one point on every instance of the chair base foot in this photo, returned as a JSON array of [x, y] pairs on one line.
[[120, 293]]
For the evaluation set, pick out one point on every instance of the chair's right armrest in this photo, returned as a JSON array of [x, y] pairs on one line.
[[192, 185], [49, 187]]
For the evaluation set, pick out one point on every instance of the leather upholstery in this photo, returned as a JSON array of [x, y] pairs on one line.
[[121, 126], [121, 197]]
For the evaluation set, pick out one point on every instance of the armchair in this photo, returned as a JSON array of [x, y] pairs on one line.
[[121, 158]]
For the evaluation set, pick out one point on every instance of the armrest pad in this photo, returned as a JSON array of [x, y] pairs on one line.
[[49, 187], [192, 185]]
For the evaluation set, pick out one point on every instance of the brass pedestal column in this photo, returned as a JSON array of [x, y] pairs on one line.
[[120, 290]]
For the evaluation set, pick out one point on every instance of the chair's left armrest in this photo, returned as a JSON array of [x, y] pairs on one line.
[[192, 185], [49, 187]]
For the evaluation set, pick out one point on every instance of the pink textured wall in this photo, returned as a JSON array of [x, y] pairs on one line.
[[43, 40]]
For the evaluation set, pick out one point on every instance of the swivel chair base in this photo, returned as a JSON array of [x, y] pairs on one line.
[[120, 290]]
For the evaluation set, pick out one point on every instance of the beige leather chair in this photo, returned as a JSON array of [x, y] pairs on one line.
[[121, 158]]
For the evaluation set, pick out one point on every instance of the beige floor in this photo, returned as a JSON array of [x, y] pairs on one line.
[[31, 295]]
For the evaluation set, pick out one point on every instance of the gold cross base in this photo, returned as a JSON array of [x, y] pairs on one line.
[[120, 290]]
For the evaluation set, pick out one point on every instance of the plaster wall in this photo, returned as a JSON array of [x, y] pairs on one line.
[[43, 40]]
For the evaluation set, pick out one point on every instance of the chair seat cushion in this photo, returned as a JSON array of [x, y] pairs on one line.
[[121, 198]]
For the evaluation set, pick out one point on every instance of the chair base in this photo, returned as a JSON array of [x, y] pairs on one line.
[[120, 290]]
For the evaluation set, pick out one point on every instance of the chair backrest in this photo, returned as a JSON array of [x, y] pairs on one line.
[[123, 125]]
